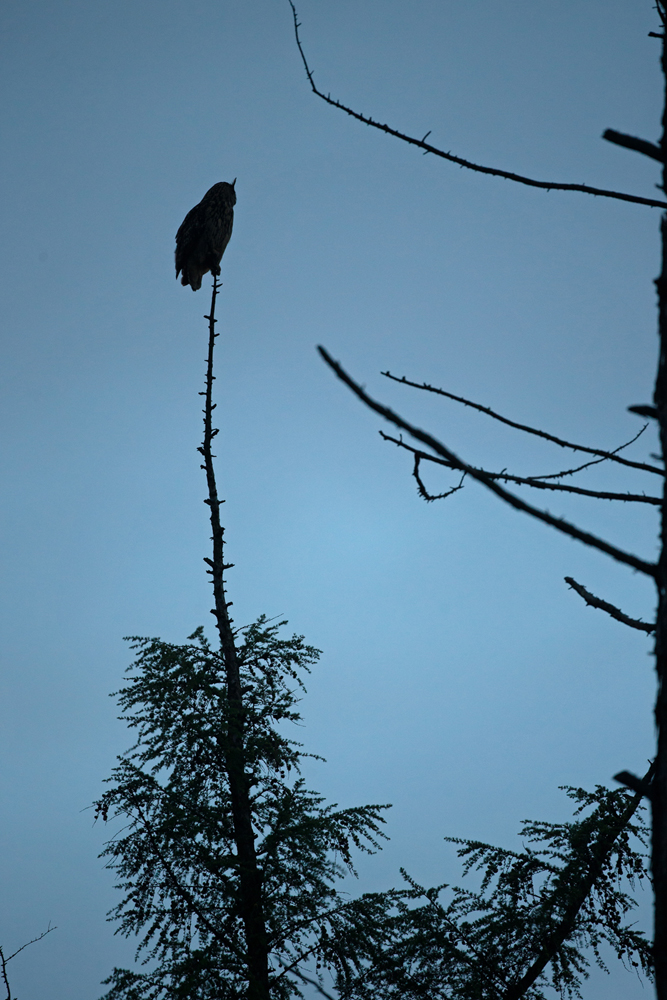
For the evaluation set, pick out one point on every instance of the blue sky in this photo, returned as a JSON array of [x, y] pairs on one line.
[[460, 680]]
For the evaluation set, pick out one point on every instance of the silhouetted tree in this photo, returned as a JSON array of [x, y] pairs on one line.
[[426, 448], [228, 863]]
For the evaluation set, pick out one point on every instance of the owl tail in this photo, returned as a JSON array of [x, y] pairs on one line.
[[192, 278]]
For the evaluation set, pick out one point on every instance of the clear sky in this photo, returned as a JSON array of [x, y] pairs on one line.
[[461, 680]]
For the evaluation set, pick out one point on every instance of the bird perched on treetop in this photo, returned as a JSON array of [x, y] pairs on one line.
[[204, 234]]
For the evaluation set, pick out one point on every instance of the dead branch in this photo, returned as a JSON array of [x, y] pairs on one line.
[[537, 482], [565, 527], [478, 168], [612, 456], [611, 609], [643, 410], [631, 142], [5, 961]]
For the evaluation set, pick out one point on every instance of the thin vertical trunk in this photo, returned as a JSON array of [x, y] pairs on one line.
[[659, 797], [250, 878]]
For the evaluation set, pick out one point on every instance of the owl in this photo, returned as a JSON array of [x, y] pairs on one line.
[[204, 234]]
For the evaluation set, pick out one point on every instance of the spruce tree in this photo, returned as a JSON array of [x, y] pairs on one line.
[[229, 866]]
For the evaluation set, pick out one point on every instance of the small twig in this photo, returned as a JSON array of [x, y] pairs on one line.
[[5, 961], [612, 456], [492, 171], [611, 609], [565, 527], [581, 468], [421, 489], [631, 142]]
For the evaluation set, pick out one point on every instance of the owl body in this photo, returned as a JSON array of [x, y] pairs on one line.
[[204, 234]]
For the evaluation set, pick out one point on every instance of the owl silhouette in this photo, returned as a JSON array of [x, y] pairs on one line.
[[204, 234]]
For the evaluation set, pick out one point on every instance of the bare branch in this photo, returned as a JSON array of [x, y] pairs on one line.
[[578, 468], [537, 482], [4, 961], [631, 142], [492, 171], [643, 410], [612, 456], [611, 609], [560, 524]]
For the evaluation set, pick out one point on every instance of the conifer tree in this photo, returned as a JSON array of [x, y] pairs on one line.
[[229, 866]]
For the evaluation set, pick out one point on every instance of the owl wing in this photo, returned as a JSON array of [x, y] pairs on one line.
[[187, 236]]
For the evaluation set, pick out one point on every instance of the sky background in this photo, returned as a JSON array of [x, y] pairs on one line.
[[461, 679]]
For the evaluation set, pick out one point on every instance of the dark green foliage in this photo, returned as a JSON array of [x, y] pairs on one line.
[[175, 854], [524, 930], [527, 928]]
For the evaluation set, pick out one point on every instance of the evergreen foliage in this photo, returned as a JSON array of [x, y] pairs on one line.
[[526, 929], [175, 854]]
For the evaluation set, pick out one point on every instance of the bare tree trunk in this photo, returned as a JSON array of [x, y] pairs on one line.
[[252, 910], [659, 796]]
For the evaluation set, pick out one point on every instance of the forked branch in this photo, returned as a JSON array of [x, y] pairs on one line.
[[565, 527], [478, 168], [537, 482], [611, 456]]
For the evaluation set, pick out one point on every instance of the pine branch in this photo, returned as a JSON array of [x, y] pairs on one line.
[[601, 852], [180, 890]]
